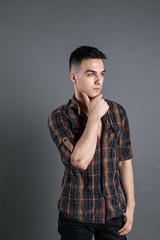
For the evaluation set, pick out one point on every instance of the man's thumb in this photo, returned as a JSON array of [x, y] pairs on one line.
[[86, 98]]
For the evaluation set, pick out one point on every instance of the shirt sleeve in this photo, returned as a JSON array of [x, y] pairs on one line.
[[126, 150], [61, 134]]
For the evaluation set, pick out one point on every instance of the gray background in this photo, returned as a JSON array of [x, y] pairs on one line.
[[36, 39]]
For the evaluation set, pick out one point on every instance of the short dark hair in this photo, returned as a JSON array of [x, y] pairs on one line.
[[84, 52]]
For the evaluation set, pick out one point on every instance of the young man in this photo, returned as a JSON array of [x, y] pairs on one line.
[[93, 138]]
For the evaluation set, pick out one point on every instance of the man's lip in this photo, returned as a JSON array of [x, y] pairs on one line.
[[98, 88]]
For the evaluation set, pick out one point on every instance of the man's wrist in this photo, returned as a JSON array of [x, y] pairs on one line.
[[94, 118], [131, 204]]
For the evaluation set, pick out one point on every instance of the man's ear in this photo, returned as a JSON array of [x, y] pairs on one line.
[[73, 77]]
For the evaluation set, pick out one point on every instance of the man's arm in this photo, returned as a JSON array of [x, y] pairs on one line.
[[84, 149], [127, 182]]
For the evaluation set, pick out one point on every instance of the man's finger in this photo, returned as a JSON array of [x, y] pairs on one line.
[[123, 228], [128, 229], [86, 98], [99, 96]]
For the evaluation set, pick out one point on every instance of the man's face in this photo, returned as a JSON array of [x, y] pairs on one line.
[[89, 78]]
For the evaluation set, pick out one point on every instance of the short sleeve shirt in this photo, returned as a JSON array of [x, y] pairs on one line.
[[95, 194]]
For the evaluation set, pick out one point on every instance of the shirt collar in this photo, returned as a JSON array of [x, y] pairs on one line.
[[74, 103]]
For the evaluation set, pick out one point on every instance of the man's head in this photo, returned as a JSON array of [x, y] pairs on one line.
[[87, 70], [81, 53]]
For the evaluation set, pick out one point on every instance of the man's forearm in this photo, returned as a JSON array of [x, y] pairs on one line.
[[127, 181], [84, 149]]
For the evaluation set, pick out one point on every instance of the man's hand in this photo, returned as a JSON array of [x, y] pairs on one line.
[[129, 215], [97, 107]]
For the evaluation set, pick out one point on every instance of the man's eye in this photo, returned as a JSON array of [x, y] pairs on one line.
[[103, 74], [90, 74]]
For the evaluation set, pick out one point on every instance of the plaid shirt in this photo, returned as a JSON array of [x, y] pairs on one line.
[[95, 194]]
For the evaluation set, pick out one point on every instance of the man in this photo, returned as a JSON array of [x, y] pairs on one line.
[[93, 138]]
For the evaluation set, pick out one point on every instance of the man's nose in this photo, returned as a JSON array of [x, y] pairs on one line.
[[99, 78]]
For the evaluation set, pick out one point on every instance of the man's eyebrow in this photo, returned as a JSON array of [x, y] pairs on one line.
[[89, 70]]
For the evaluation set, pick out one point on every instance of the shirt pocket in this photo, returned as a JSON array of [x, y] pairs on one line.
[[114, 132], [113, 153]]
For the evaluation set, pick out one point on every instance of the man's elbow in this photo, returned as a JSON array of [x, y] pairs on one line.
[[124, 163], [78, 163]]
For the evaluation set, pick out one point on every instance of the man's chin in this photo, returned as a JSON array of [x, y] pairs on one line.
[[93, 95]]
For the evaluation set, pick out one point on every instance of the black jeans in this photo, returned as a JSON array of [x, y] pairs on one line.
[[73, 230]]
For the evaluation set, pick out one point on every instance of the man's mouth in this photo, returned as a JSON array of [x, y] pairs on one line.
[[97, 88]]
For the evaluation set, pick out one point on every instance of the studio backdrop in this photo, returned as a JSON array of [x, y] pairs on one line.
[[36, 39]]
